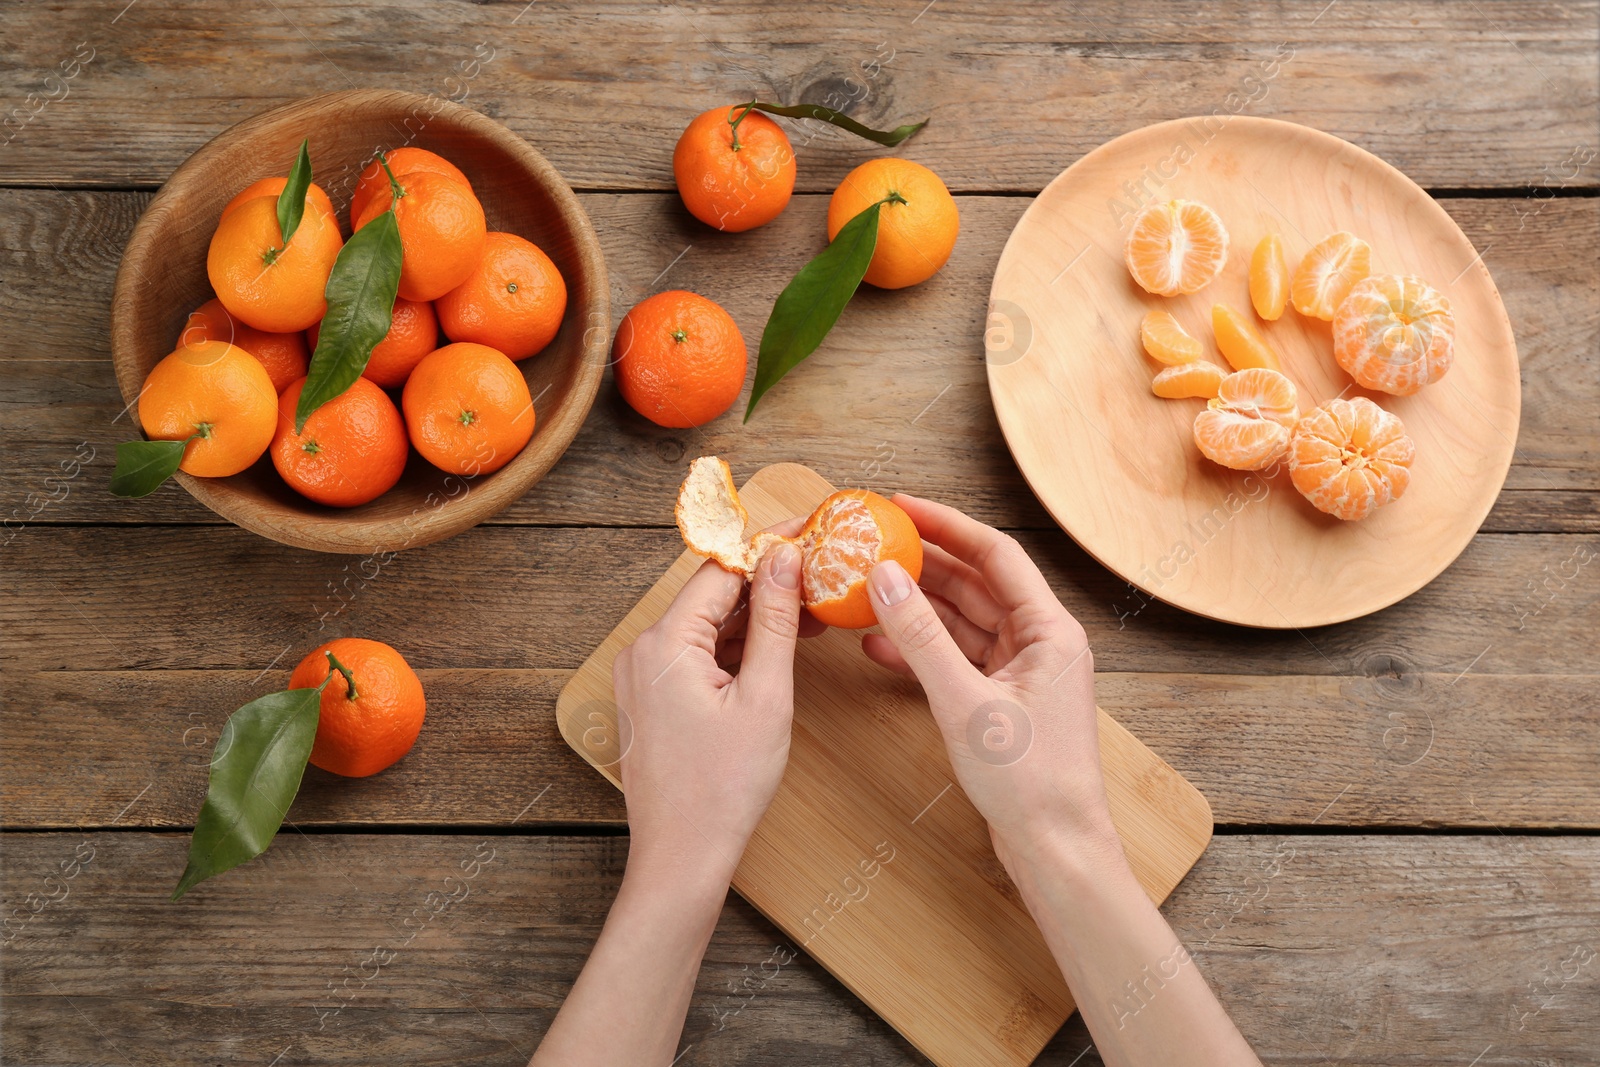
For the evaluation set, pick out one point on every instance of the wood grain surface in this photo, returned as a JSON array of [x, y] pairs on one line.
[[1406, 869], [867, 765], [1455, 94], [1389, 951]]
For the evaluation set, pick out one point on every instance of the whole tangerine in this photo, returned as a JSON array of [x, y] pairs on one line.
[[413, 333], [734, 168], [352, 449], [217, 391], [917, 219], [679, 359], [284, 355], [468, 409], [442, 230], [407, 160], [263, 282], [513, 300], [368, 718]]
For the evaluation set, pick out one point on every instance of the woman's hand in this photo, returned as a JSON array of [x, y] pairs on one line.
[[704, 749], [1010, 679]]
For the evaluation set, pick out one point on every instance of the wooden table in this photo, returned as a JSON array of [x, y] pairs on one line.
[[1405, 869]]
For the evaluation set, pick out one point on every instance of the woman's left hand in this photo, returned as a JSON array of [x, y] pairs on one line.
[[705, 749]]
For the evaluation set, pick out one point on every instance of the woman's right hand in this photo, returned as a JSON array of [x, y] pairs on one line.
[[1010, 679]]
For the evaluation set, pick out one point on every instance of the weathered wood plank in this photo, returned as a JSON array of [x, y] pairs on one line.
[[1453, 94], [93, 749], [125, 598], [897, 398], [1376, 950]]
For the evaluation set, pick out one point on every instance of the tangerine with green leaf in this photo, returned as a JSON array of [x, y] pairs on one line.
[[442, 231], [413, 333], [917, 219], [408, 160], [217, 397], [351, 450], [734, 168], [264, 282], [371, 712]]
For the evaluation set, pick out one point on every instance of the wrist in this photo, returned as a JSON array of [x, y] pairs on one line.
[[1079, 858], [684, 867]]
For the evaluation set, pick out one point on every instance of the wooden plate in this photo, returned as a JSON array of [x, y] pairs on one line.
[[1117, 466], [872, 861], [163, 277]]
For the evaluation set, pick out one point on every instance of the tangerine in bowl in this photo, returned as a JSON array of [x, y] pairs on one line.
[[163, 278]]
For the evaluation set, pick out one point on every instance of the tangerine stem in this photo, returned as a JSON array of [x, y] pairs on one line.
[[349, 679], [394, 184], [735, 122]]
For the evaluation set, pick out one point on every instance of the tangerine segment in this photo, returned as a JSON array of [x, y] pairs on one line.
[[1261, 393], [1240, 342], [1269, 278], [1394, 334], [217, 391], [848, 534], [1349, 457], [1165, 340], [1327, 274], [1176, 247], [1246, 427], [1198, 379]]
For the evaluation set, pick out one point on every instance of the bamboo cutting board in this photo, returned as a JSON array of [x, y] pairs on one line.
[[872, 861]]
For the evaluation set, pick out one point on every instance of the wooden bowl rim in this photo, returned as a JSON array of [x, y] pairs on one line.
[[329, 530]]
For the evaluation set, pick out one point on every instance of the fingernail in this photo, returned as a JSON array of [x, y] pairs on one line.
[[784, 566], [890, 583]]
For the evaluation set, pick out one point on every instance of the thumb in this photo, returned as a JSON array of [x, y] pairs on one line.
[[774, 624], [915, 629]]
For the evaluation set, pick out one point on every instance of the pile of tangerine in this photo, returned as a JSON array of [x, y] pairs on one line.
[[1391, 333], [231, 386]]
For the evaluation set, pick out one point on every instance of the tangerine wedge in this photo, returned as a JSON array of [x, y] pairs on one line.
[[1394, 334], [1350, 457], [1269, 278], [848, 534], [1327, 274], [1198, 379], [1246, 426], [1240, 342], [1165, 340], [1176, 247]]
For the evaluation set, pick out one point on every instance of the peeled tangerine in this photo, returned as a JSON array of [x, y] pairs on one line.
[[1394, 334], [850, 532], [1350, 457], [1246, 426], [1176, 247]]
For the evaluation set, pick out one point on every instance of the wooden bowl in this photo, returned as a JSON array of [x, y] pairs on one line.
[[163, 278]]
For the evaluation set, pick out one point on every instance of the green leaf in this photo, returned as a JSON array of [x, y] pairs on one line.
[[143, 465], [887, 138], [810, 304], [361, 291], [255, 773], [292, 201]]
